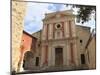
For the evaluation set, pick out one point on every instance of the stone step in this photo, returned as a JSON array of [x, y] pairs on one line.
[[54, 69], [65, 68]]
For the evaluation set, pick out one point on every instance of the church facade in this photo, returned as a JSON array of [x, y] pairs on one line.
[[61, 43]]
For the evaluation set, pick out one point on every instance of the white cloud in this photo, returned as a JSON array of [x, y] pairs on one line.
[[34, 15], [36, 12]]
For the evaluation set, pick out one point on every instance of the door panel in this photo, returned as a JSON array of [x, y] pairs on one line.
[[58, 56]]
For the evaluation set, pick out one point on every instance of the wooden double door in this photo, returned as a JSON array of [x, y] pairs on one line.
[[58, 56]]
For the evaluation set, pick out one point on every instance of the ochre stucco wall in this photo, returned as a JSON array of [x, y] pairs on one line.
[[18, 13], [92, 53]]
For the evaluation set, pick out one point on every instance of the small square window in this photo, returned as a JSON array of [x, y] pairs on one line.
[[38, 45], [81, 41]]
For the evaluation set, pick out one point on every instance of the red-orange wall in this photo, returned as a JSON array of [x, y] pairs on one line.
[[26, 41]]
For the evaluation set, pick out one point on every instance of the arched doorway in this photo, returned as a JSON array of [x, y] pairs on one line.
[[27, 61], [58, 56]]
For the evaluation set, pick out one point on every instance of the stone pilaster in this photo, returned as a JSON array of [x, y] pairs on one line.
[[66, 29], [53, 56], [50, 34], [42, 55], [75, 54], [44, 32], [65, 55], [49, 56], [73, 28], [68, 54]]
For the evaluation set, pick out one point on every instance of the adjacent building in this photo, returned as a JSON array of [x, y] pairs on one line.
[[18, 13], [28, 44], [90, 50]]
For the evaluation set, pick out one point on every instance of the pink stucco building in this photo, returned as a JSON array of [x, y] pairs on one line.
[[28, 43]]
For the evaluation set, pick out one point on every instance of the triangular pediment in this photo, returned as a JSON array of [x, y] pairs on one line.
[[57, 15]]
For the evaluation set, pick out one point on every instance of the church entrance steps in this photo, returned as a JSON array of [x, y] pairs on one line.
[[54, 69], [66, 68]]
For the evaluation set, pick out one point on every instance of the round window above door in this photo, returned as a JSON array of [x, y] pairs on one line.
[[58, 26]]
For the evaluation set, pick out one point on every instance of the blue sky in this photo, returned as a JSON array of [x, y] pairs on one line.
[[35, 12]]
